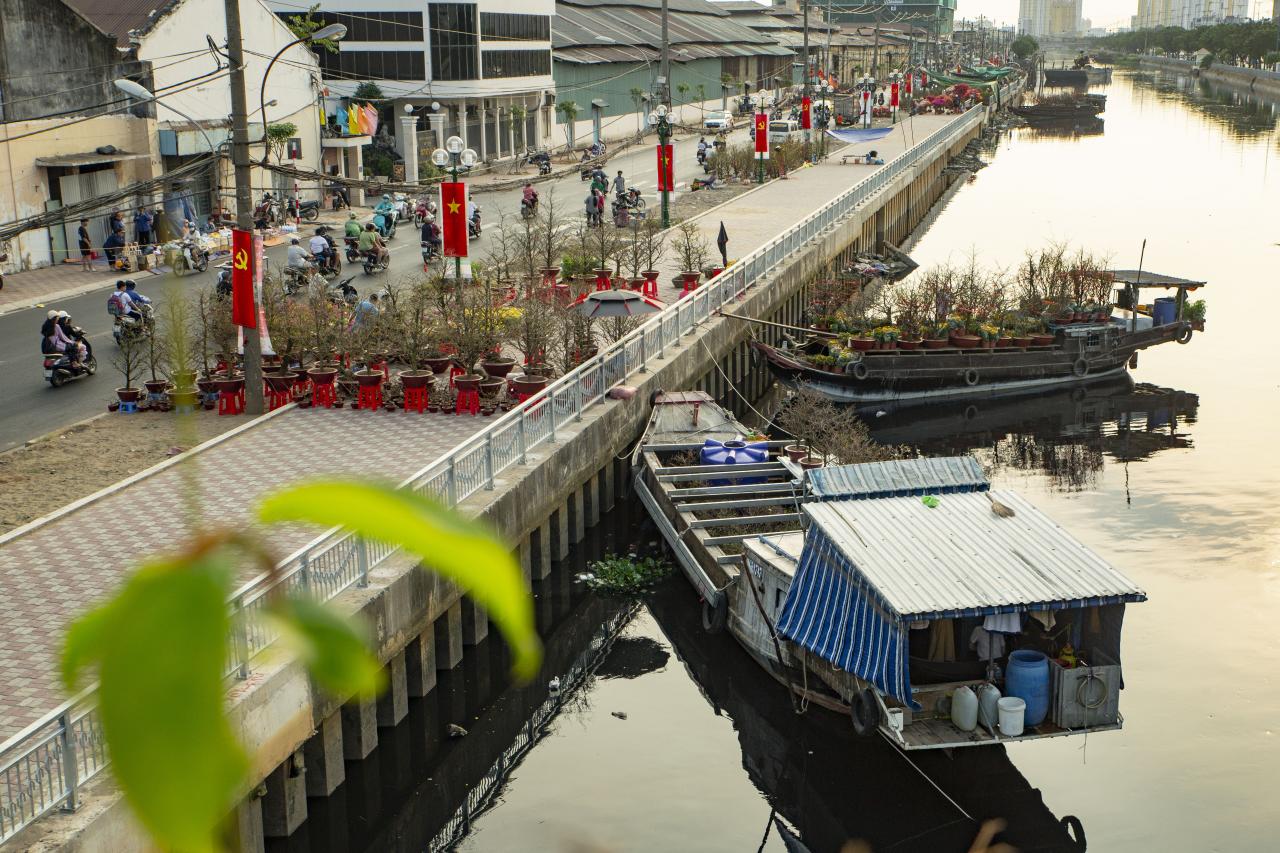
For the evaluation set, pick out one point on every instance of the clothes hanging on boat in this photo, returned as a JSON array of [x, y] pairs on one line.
[[986, 644], [1004, 623], [942, 641], [1044, 617]]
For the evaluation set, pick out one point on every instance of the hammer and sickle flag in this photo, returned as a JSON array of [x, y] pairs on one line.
[[762, 135], [242, 280]]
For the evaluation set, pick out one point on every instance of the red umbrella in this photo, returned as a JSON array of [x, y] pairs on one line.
[[616, 303]]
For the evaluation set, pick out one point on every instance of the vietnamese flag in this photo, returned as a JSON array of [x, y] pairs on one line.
[[453, 218], [924, 79], [242, 279], [893, 95], [909, 77], [762, 135], [806, 113], [666, 169]]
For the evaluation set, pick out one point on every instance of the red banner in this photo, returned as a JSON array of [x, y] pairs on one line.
[[666, 169], [909, 78], [243, 257], [762, 135], [453, 218], [924, 79], [806, 113], [893, 95]]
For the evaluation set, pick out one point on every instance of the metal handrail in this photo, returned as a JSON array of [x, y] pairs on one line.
[[66, 743]]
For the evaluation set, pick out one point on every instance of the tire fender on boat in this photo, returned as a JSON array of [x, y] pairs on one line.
[[715, 616], [1080, 367], [865, 711], [859, 370], [1184, 337], [1075, 830], [971, 377]]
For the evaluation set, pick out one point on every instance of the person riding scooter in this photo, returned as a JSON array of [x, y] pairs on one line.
[[371, 243], [430, 240], [529, 200], [702, 150], [384, 217]]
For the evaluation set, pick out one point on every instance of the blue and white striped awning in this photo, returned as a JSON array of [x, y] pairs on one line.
[[899, 477]]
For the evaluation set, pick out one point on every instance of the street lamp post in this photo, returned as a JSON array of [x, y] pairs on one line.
[[866, 92], [762, 102], [333, 31], [659, 118], [455, 151]]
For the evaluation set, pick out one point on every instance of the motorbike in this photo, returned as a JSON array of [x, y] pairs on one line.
[[126, 326], [420, 212], [430, 252], [353, 249], [308, 210], [267, 211], [342, 293], [194, 257], [541, 159], [297, 279], [473, 225], [59, 369], [528, 209], [631, 200], [373, 264], [386, 225]]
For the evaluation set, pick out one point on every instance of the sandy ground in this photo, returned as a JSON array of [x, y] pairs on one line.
[[64, 466]]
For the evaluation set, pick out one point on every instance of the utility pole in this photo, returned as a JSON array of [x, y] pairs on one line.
[[875, 50], [244, 198], [807, 132], [664, 66]]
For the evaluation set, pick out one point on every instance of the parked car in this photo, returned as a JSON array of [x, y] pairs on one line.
[[718, 121]]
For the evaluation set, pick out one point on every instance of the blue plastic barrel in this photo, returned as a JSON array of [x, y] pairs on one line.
[[1164, 311], [1027, 677], [734, 453]]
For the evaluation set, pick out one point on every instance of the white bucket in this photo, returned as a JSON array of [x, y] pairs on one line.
[[1012, 711]]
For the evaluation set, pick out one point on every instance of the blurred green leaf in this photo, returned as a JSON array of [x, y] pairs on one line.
[[331, 647], [160, 647], [458, 548]]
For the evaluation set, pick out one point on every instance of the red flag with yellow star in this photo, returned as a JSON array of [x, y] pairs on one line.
[[453, 218], [666, 169], [762, 135]]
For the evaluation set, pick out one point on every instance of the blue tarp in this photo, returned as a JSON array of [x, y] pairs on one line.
[[833, 612], [856, 135], [937, 476]]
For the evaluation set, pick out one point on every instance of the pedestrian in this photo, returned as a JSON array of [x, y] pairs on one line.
[[117, 225], [591, 206], [619, 185], [86, 246], [142, 227]]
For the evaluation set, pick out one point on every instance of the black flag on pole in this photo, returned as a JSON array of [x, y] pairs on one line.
[[722, 243]]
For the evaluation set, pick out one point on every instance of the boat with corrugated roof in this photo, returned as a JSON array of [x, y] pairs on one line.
[[899, 593]]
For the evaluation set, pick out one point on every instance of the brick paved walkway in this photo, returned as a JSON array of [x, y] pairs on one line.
[[54, 572]]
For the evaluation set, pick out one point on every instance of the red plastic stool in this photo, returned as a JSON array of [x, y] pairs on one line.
[[650, 288], [454, 370], [276, 399], [415, 399], [688, 288], [370, 397], [300, 388], [324, 396], [468, 401], [231, 402]]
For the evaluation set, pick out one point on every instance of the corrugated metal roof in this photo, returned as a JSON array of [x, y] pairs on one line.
[[1154, 279], [696, 27], [118, 17], [898, 477], [959, 556]]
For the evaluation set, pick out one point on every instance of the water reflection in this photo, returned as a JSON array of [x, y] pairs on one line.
[[1065, 435], [1242, 114], [1071, 129]]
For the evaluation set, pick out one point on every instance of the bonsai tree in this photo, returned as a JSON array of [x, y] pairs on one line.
[[655, 244], [550, 234], [536, 327], [569, 114], [472, 323], [691, 247], [503, 250], [637, 98], [414, 325], [607, 247], [515, 118], [177, 321], [156, 350], [133, 351], [214, 332], [834, 431]]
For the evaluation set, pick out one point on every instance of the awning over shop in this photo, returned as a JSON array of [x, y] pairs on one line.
[[87, 159]]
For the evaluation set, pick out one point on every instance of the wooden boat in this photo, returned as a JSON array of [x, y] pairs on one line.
[[1078, 77], [1080, 353], [1084, 109], [811, 571]]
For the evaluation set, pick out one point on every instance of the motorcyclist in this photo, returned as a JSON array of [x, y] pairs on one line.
[[319, 248], [130, 287], [431, 233], [702, 149], [57, 338], [72, 333], [299, 258], [371, 242], [530, 197], [387, 210], [473, 214], [121, 304], [352, 229]]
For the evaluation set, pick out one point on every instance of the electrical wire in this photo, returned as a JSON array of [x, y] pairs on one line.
[[10, 78]]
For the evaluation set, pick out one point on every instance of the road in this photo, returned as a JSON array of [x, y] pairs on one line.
[[34, 408]]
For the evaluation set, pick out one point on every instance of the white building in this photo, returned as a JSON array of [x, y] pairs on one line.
[[1049, 18], [1188, 13], [474, 70]]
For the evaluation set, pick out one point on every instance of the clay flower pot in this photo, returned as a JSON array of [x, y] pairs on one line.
[[549, 275], [230, 386], [438, 364], [323, 375], [416, 378], [185, 397], [279, 382], [862, 344], [489, 388], [650, 275], [156, 386], [206, 386], [689, 278], [529, 383], [1004, 342], [498, 368], [908, 344], [185, 379], [936, 343], [966, 341], [1041, 340], [796, 452], [129, 395], [468, 382], [1020, 341], [810, 462], [369, 378]]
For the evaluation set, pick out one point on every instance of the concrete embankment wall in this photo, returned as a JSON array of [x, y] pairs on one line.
[[302, 738], [1260, 82]]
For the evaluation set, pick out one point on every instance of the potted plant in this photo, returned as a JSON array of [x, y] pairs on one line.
[[468, 382], [822, 362], [529, 383], [937, 336], [989, 335], [129, 363], [692, 249], [886, 337], [497, 365], [1193, 313], [796, 452]]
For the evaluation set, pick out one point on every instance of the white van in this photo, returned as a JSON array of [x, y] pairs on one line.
[[782, 130]]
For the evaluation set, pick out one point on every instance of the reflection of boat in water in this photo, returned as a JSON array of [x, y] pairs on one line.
[[833, 787], [1068, 129], [847, 588]]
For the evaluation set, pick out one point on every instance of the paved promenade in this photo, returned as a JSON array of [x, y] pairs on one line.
[[52, 572]]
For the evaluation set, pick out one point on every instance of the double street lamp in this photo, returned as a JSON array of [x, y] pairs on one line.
[[455, 151], [761, 101], [659, 119]]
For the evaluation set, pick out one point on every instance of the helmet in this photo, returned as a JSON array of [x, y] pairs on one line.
[[352, 215], [294, 241], [52, 314], [128, 282], [63, 314], [386, 197]]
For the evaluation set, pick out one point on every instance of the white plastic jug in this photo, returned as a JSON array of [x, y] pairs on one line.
[[988, 710], [964, 709], [1012, 710]]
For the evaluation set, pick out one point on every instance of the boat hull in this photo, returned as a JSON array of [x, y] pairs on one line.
[[928, 375]]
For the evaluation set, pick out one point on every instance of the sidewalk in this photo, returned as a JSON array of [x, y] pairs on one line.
[[52, 572]]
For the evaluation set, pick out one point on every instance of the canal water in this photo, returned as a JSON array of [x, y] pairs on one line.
[[665, 739]]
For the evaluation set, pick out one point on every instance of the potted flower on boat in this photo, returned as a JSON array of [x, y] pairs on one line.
[[938, 337], [822, 362], [862, 342], [886, 336], [989, 335]]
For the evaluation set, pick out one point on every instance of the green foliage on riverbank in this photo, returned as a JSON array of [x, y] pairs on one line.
[[1252, 40]]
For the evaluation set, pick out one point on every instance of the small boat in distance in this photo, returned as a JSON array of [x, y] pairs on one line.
[[862, 589]]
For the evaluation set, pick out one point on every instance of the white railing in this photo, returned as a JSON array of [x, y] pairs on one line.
[[43, 766]]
